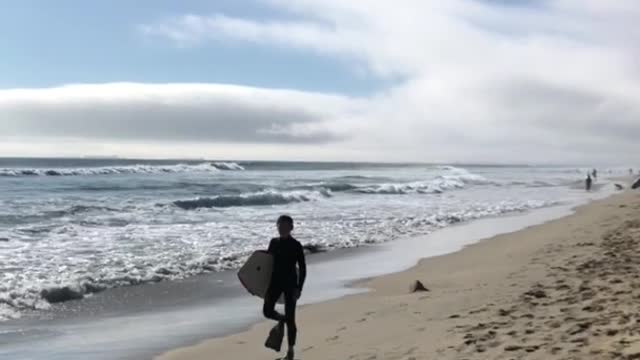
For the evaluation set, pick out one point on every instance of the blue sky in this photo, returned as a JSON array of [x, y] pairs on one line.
[[48, 43]]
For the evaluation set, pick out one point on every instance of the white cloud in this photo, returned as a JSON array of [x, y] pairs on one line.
[[553, 81], [484, 80], [173, 112]]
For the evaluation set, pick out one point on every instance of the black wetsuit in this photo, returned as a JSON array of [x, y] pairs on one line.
[[285, 280]]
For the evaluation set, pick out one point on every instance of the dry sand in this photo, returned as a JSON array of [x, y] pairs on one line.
[[567, 289]]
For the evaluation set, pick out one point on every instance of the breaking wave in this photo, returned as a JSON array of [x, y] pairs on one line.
[[437, 185], [338, 187], [94, 238], [111, 170], [262, 198], [227, 166], [15, 299]]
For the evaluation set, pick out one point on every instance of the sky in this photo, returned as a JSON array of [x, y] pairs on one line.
[[487, 81]]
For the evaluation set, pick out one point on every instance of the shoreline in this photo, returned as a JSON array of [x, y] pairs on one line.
[[198, 319], [248, 344], [154, 326]]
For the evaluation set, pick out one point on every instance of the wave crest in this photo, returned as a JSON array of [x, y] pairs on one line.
[[262, 198], [227, 166], [437, 185], [108, 170]]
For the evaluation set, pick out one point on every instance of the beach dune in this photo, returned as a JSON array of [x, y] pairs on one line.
[[566, 289]]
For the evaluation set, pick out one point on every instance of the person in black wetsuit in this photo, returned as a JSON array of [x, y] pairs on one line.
[[588, 182], [287, 253]]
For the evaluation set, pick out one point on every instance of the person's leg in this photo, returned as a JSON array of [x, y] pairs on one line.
[[290, 299], [269, 308]]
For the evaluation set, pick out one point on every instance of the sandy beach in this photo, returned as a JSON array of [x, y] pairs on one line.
[[561, 290], [471, 147]]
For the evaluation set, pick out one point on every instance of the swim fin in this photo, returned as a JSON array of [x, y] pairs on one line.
[[276, 335]]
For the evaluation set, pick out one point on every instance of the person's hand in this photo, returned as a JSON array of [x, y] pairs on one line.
[[298, 293]]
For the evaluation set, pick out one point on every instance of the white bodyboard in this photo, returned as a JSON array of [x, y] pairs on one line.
[[255, 274]]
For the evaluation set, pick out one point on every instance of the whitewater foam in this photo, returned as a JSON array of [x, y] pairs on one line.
[[126, 269], [109, 170], [228, 166], [437, 185], [70, 238], [8, 312]]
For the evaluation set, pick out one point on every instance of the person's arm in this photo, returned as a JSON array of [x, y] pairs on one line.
[[271, 246], [302, 267]]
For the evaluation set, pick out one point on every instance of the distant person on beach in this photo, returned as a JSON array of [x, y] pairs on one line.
[[287, 253], [588, 182], [594, 173]]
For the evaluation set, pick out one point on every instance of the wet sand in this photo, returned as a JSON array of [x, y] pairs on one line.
[[565, 289]]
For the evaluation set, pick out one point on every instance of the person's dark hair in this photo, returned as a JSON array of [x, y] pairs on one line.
[[285, 219]]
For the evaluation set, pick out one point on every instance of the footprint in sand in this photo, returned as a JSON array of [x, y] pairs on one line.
[[532, 348], [554, 324], [511, 348], [555, 350], [476, 311]]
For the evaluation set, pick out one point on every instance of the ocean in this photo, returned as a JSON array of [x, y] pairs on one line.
[[70, 228]]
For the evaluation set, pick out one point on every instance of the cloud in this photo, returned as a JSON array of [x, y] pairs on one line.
[[540, 81], [480, 80], [172, 112], [193, 30]]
